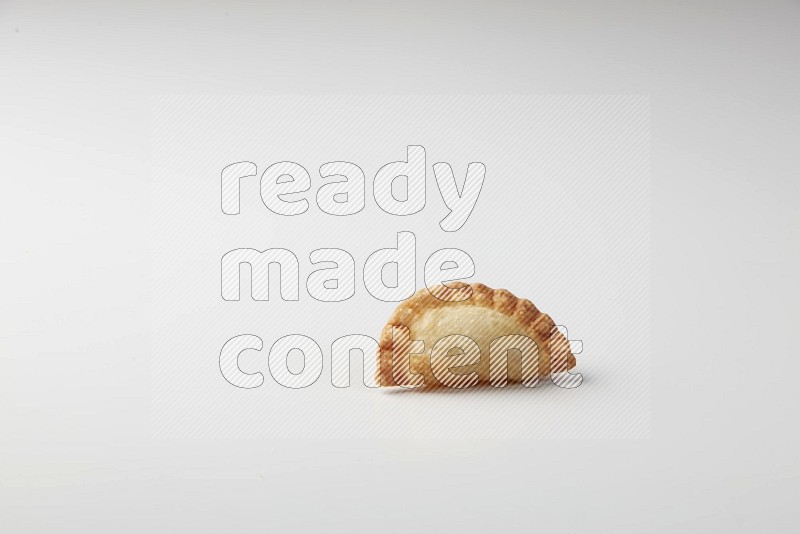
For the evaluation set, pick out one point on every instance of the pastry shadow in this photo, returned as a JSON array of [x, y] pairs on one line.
[[482, 388]]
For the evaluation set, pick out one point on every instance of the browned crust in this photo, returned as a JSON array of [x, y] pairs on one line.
[[540, 326]]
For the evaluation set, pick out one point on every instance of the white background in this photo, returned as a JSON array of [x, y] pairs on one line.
[[76, 451], [562, 218]]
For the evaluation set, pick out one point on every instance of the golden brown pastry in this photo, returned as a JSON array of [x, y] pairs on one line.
[[489, 337]]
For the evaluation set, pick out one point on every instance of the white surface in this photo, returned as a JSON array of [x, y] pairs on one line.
[[562, 219], [76, 82]]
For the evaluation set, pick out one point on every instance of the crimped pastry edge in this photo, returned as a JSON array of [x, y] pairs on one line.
[[539, 325]]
